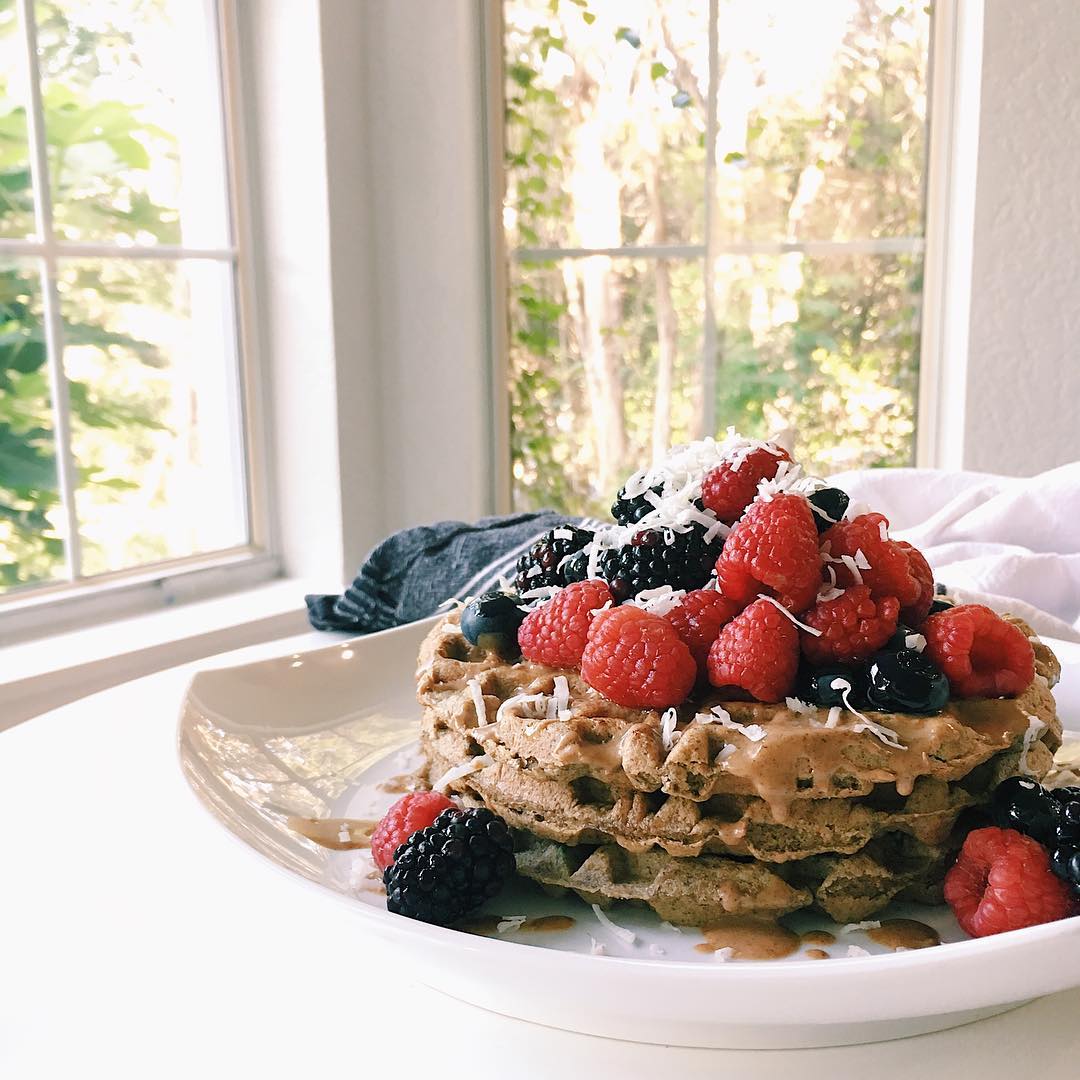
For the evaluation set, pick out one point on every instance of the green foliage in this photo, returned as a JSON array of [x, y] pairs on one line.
[[93, 147], [823, 348]]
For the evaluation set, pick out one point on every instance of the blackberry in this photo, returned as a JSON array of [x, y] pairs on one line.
[[906, 681], [576, 568], [829, 506], [446, 870], [649, 561], [1027, 807], [492, 620], [814, 685], [630, 511], [542, 565]]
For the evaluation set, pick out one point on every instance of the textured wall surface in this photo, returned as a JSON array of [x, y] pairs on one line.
[[1024, 367]]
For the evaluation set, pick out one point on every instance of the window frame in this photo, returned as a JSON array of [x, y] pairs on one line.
[[953, 77], [80, 601]]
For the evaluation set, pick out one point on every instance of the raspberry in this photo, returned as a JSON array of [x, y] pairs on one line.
[[758, 651], [853, 626], [637, 660], [890, 572], [698, 620], [555, 633], [730, 488], [1002, 881], [913, 614], [772, 549], [411, 812], [981, 654]]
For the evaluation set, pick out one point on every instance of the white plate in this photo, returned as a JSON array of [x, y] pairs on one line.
[[315, 733]]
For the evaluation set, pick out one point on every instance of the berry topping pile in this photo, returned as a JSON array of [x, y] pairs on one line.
[[449, 868], [754, 578]]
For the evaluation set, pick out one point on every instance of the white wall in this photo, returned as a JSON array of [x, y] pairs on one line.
[[1024, 361]]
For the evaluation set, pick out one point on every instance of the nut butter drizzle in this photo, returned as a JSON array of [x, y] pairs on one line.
[[337, 834], [904, 934], [793, 749], [542, 924], [749, 939]]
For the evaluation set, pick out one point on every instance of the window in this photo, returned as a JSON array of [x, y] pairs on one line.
[[122, 439], [713, 216]]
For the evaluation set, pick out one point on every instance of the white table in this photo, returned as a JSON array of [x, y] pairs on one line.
[[141, 940]]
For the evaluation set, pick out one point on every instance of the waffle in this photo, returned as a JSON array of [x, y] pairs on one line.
[[696, 892], [586, 811], [762, 810]]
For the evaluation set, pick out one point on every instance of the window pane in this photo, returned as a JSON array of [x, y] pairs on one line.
[[155, 414], [824, 350], [600, 348], [31, 518], [605, 122], [132, 116], [16, 194], [821, 113]]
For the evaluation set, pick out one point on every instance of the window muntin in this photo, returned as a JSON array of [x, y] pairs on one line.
[[657, 291], [119, 373]]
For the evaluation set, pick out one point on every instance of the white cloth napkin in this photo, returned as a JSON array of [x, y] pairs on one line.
[[1012, 543]]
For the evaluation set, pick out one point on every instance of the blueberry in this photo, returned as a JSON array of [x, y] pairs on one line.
[[899, 639], [829, 506], [906, 681], [815, 685], [1024, 805], [1065, 862], [492, 620]]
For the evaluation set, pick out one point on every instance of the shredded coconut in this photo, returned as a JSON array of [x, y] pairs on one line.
[[870, 924], [914, 641], [510, 924], [724, 955], [883, 530], [667, 727], [597, 948], [524, 700], [621, 932], [797, 705], [879, 731], [543, 592], [726, 751], [658, 601], [780, 607], [466, 768], [853, 566], [561, 697], [478, 701], [834, 716], [1035, 728], [861, 560], [856, 950], [344, 836], [719, 715], [562, 534]]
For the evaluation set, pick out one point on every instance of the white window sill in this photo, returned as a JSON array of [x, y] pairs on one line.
[[36, 676]]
